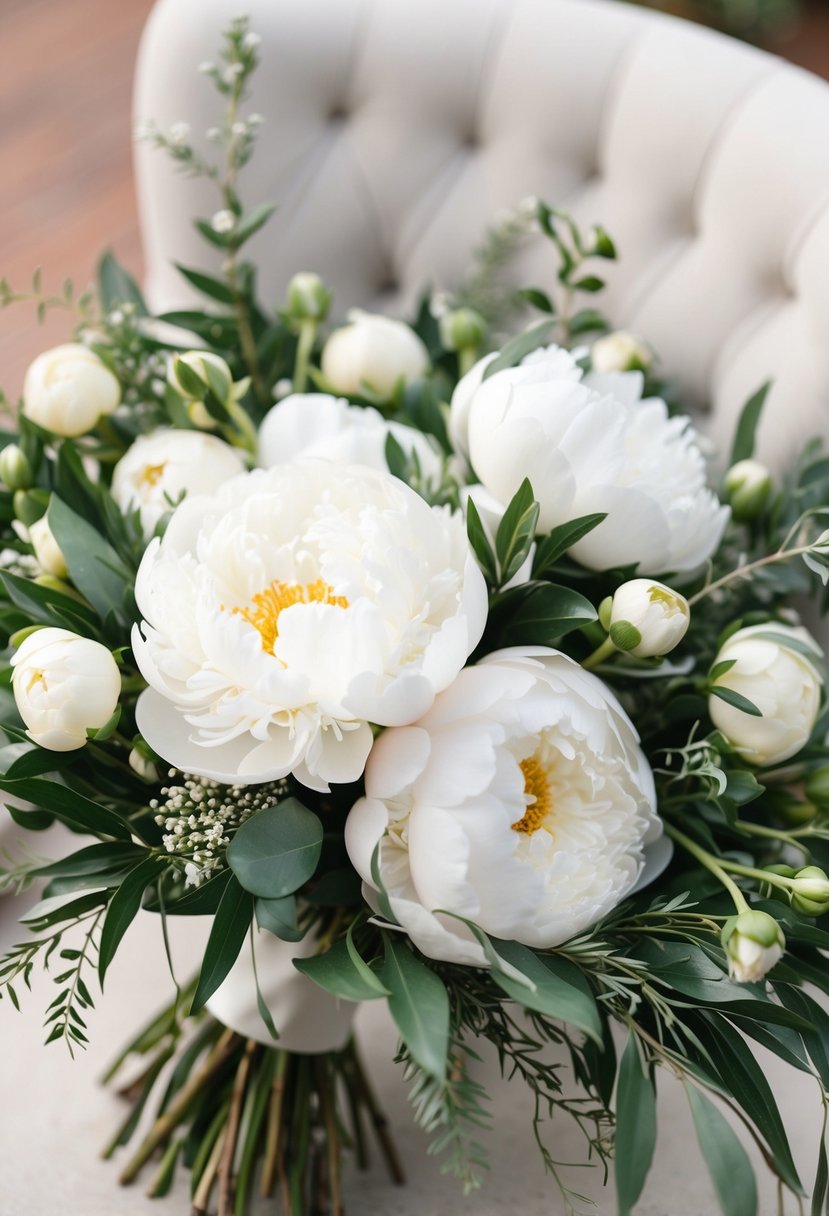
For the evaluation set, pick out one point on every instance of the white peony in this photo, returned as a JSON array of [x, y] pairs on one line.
[[780, 680], [162, 466], [316, 424], [620, 352], [373, 354], [291, 609], [63, 686], [590, 445], [521, 801], [68, 388]]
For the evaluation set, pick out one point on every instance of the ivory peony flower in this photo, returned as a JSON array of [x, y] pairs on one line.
[[373, 353], [162, 466], [316, 424], [780, 680], [521, 801], [64, 685], [68, 388], [587, 446], [291, 609]]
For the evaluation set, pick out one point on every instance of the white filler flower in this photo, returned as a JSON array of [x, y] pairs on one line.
[[587, 446], [521, 801], [64, 685], [316, 424], [67, 389], [373, 354], [777, 668], [162, 466], [291, 609]]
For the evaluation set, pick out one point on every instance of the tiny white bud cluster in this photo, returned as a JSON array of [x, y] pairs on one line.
[[199, 817]]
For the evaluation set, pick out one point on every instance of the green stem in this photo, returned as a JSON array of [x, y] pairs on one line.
[[599, 655], [467, 357], [247, 432], [757, 829], [782, 555], [304, 347], [711, 864], [773, 880]]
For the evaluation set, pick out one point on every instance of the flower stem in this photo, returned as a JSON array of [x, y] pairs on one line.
[[599, 655], [467, 357], [781, 555], [307, 334], [226, 1182], [710, 863], [273, 1134], [758, 829]]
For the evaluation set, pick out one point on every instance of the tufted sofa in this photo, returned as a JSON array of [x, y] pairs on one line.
[[397, 129]]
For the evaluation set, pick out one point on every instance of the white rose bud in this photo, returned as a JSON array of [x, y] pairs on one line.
[[620, 352], [754, 943], [747, 486], [372, 354], [308, 298], [67, 389], [210, 369], [772, 671], [47, 550], [647, 618], [64, 685], [15, 470]]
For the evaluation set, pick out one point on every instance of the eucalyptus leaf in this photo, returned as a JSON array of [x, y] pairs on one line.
[[635, 1127], [419, 1004], [336, 973], [559, 988], [275, 851], [278, 916], [727, 1161]]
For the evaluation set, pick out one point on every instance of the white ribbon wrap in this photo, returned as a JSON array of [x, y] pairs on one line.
[[307, 1018]]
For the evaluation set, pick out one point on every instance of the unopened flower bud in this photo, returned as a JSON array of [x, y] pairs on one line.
[[810, 891], [753, 942], [308, 298], [817, 785], [141, 765], [620, 352], [747, 487], [647, 618], [193, 373], [793, 810], [47, 550], [15, 470], [462, 329], [30, 505]]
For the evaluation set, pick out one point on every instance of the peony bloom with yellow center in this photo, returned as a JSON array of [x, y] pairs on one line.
[[293, 608], [521, 802]]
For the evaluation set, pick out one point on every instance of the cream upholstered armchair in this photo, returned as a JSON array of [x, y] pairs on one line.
[[397, 129]]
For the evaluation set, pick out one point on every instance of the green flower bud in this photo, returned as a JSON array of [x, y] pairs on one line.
[[462, 329], [753, 943], [810, 891], [817, 786], [30, 505], [193, 373], [795, 811], [15, 470], [747, 487], [308, 298]]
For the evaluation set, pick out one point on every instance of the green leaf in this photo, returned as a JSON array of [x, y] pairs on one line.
[[336, 973], [214, 289], [57, 910], [71, 808], [93, 860], [361, 965], [117, 286], [727, 1161], [275, 851], [419, 1004], [517, 348], [123, 909], [559, 988], [94, 566], [227, 936], [278, 916], [591, 283], [736, 699], [539, 299], [252, 222], [48, 605], [745, 435], [516, 531], [546, 613], [562, 538], [635, 1127], [479, 541]]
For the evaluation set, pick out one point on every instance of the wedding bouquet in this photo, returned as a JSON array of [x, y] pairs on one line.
[[424, 664]]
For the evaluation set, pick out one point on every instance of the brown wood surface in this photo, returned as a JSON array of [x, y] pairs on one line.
[[66, 190]]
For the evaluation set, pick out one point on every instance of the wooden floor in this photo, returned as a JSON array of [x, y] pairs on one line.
[[65, 148]]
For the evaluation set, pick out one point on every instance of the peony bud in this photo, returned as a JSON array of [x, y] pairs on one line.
[[15, 470], [647, 618], [753, 943], [810, 891], [308, 298], [47, 550], [620, 352], [64, 685], [817, 785], [140, 764], [747, 487], [778, 677], [372, 355], [67, 389], [193, 373], [462, 329]]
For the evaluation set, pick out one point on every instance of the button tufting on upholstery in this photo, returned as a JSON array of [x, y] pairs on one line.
[[338, 113]]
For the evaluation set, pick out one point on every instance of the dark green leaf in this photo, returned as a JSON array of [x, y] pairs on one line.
[[591, 283], [94, 566], [517, 348], [215, 289], [635, 1127], [546, 613], [539, 299], [562, 538], [252, 222], [559, 988], [744, 438], [123, 909], [480, 543], [278, 916], [275, 851], [227, 937], [516, 531], [71, 808], [94, 859], [117, 286], [727, 1161], [419, 1004], [336, 973], [737, 700]]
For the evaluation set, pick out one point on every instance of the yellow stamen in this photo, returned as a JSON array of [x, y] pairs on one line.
[[263, 610], [537, 787], [152, 473]]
